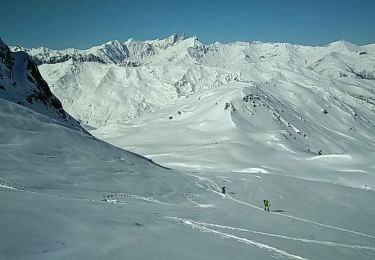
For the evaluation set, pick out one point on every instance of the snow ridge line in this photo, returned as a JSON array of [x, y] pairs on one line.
[[302, 219], [327, 243], [193, 225]]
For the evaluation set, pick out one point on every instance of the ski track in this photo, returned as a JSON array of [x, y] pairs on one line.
[[214, 191], [199, 205], [211, 183], [6, 186], [238, 239], [228, 179], [132, 196], [105, 200], [215, 186], [326, 243]]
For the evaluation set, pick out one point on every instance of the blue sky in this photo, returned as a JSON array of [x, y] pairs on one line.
[[85, 23]]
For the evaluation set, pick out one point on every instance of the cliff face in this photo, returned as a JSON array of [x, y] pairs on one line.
[[22, 83]]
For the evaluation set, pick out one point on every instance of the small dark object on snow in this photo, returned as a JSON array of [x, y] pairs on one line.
[[223, 190]]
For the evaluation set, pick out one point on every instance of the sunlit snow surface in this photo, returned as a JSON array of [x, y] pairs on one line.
[[67, 195]]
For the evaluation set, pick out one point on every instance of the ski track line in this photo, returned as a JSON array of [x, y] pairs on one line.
[[50, 195], [238, 239], [302, 219], [326, 243], [211, 182], [205, 179], [205, 188], [199, 205], [5, 186], [131, 196]]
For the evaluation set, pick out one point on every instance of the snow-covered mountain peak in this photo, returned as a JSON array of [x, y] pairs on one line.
[[343, 45], [114, 52], [164, 43]]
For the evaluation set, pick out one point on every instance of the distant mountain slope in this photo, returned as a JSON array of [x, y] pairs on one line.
[[252, 127], [134, 77]]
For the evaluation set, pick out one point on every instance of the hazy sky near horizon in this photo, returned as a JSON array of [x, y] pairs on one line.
[[85, 23]]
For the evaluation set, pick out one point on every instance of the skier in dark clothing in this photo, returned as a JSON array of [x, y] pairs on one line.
[[223, 190], [267, 205]]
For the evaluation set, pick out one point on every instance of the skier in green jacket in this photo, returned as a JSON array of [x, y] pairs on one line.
[[267, 205]]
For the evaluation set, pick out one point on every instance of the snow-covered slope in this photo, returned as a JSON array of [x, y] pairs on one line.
[[63, 193], [247, 127], [67, 195]]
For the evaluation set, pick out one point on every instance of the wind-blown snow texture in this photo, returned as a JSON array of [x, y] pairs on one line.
[[291, 124]]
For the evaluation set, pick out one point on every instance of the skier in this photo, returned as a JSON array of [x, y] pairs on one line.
[[223, 190], [267, 205]]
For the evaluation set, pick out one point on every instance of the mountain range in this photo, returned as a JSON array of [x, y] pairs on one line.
[[277, 97]]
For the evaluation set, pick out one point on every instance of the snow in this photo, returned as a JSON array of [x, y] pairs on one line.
[[144, 77], [254, 125], [205, 136], [82, 198]]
